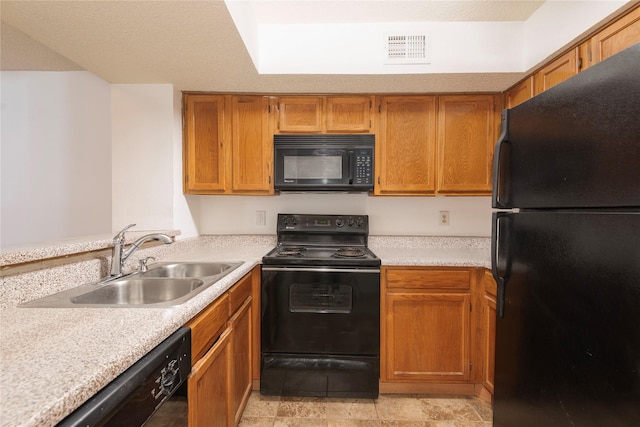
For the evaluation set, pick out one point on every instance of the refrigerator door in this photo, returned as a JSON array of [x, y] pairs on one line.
[[568, 344], [576, 145]]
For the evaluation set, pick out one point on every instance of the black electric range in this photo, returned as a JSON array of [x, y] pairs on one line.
[[322, 240]]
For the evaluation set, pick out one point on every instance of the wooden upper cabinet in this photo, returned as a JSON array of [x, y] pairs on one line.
[[617, 36], [252, 155], [466, 136], [300, 114], [520, 93], [406, 145], [330, 114], [348, 114], [205, 163], [557, 71]]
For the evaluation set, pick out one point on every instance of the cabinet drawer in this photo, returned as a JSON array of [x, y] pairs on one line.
[[428, 279], [206, 327], [239, 293]]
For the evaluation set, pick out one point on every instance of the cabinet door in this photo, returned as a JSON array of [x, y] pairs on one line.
[[557, 71], [241, 366], [300, 114], [406, 147], [204, 161], [349, 114], [621, 34], [427, 337], [489, 325], [520, 93], [209, 386], [252, 153], [466, 136]]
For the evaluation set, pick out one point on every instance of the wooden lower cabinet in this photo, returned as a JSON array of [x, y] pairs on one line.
[[489, 331], [426, 327], [223, 351], [241, 366], [209, 386]]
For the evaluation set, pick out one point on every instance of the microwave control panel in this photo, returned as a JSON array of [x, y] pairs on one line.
[[364, 167]]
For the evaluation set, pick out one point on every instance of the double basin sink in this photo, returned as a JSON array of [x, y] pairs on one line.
[[162, 285]]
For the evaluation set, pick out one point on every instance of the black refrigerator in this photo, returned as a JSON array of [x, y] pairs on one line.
[[566, 252]]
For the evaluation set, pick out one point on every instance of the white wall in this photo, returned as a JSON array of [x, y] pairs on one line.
[[142, 145], [469, 216], [56, 156]]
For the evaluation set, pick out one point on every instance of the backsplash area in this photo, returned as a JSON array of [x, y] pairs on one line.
[[404, 216]]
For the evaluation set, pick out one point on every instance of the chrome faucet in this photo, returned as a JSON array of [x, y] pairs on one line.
[[120, 254]]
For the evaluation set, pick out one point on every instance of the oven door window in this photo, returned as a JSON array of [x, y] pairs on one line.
[[320, 298]]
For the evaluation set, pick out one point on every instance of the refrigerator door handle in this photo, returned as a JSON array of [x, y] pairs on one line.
[[500, 166], [500, 260]]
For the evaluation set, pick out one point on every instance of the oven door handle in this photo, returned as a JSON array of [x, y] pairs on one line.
[[324, 269]]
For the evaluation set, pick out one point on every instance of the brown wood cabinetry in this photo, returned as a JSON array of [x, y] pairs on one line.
[[617, 36], [489, 330], [227, 145], [325, 114], [557, 71], [426, 324], [406, 146], [466, 136], [225, 349], [206, 120], [252, 152], [520, 93], [209, 383]]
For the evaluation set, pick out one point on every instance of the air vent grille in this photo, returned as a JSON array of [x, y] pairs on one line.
[[407, 49]]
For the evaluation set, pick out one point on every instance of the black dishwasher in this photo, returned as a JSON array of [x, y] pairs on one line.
[[138, 392]]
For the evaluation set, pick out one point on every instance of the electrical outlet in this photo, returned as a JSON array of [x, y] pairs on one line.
[[444, 217], [261, 218]]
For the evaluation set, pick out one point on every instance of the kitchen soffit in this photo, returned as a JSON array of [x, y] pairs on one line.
[[213, 45]]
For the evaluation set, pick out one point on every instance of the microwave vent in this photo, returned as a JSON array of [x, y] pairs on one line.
[[407, 49]]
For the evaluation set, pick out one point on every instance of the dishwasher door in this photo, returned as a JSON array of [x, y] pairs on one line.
[[133, 397]]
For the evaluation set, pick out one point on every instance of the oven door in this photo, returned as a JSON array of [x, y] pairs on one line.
[[321, 310]]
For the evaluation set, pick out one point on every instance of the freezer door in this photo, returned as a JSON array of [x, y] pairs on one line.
[[576, 145], [568, 342]]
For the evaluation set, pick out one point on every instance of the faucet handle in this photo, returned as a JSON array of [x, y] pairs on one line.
[[143, 263], [120, 236]]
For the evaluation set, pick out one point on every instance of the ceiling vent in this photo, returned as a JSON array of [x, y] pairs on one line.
[[407, 49]]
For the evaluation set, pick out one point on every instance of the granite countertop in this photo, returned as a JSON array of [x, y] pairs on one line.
[[54, 359]]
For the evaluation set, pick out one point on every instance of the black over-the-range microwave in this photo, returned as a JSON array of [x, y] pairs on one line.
[[324, 162]]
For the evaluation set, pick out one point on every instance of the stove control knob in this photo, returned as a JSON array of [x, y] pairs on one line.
[[289, 221], [360, 222], [340, 222], [351, 221]]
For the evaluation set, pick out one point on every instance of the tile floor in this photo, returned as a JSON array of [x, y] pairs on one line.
[[387, 410]]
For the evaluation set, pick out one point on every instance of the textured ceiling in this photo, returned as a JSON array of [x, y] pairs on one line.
[[194, 45]]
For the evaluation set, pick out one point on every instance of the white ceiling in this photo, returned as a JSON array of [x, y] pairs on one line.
[[196, 45]]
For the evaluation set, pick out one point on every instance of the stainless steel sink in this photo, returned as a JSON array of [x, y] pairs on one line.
[[164, 284], [140, 291], [188, 269]]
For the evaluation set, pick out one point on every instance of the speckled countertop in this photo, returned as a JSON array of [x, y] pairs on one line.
[[54, 359]]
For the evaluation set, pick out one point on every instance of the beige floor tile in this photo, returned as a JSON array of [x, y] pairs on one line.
[[400, 408], [261, 406], [449, 409], [300, 422], [302, 407], [352, 409], [353, 423], [247, 421]]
